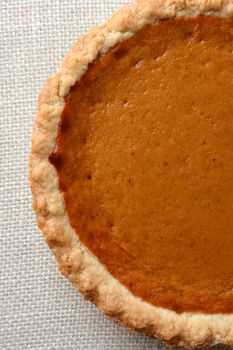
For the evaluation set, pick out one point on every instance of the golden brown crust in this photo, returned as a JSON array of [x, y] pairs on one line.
[[87, 274]]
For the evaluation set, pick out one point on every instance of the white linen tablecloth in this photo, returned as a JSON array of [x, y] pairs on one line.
[[39, 309]]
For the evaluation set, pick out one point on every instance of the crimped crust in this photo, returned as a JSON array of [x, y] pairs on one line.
[[84, 270]]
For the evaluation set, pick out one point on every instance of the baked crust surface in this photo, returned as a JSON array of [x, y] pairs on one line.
[[87, 274]]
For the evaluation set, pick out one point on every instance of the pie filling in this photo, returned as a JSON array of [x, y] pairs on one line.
[[144, 156]]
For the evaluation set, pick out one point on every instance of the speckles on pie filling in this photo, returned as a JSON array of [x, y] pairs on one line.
[[144, 156]]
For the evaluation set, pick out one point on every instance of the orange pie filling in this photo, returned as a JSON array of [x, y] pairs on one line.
[[144, 156]]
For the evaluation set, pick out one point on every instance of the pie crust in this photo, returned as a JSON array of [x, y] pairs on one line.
[[83, 269]]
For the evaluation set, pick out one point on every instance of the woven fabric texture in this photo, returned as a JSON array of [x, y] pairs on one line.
[[39, 309]]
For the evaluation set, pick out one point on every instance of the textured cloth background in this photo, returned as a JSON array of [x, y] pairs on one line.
[[39, 309]]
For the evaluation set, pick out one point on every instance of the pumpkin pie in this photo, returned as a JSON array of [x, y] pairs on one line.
[[131, 169]]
